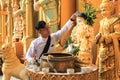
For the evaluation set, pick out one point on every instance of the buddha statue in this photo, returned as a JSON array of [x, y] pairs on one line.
[[83, 34], [108, 40]]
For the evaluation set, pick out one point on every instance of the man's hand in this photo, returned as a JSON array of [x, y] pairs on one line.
[[73, 17]]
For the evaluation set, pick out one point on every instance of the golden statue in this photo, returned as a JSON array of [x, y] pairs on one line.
[[83, 36], [18, 29], [11, 64], [83, 33], [19, 12], [18, 24], [108, 40]]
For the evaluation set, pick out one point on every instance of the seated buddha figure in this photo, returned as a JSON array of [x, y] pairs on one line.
[[109, 34], [83, 36]]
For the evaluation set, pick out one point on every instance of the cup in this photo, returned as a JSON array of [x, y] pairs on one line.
[[86, 69], [35, 68], [45, 70], [70, 71]]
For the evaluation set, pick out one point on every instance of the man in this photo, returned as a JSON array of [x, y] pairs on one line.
[[38, 45]]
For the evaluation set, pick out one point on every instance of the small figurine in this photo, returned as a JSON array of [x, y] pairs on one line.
[[18, 23], [18, 29]]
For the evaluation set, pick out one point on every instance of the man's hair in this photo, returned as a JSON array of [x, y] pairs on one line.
[[40, 25]]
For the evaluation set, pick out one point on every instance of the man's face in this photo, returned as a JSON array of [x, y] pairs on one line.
[[45, 32]]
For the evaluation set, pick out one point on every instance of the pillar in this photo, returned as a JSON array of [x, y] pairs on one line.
[[67, 9], [3, 26], [0, 27], [9, 22], [3, 20], [29, 22]]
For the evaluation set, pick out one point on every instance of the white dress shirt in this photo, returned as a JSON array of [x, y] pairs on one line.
[[37, 45]]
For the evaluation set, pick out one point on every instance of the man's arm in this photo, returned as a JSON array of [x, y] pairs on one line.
[[66, 27], [30, 53]]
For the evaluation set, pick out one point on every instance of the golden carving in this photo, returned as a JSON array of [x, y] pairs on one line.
[[11, 64], [109, 62], [62, 76]]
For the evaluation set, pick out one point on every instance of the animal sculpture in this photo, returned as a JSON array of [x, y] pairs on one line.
[[11, 64]]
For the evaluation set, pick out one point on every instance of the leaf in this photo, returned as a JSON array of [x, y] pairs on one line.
[[75, 50], [67, 42], [90, 12]]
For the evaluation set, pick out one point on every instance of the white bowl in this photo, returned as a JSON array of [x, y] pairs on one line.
[[70, 71], [87, 69]]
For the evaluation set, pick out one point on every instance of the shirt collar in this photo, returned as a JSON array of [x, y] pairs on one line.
[[44, 39]]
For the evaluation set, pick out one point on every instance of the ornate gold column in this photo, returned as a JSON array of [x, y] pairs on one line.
[[0, 23], [29, 22], [3, 21], [29, 18], [9, 20], [0, 19]]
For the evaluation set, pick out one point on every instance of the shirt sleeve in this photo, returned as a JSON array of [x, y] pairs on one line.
[[30, 52], [63, 30]]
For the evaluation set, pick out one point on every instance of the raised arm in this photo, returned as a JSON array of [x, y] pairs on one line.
[[66, 27]]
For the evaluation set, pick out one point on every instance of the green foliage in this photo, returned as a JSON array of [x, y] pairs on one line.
[[90, 13], [75, 50], [67, 42]]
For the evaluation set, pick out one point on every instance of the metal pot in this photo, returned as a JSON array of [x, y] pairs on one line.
[[57, 62]]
